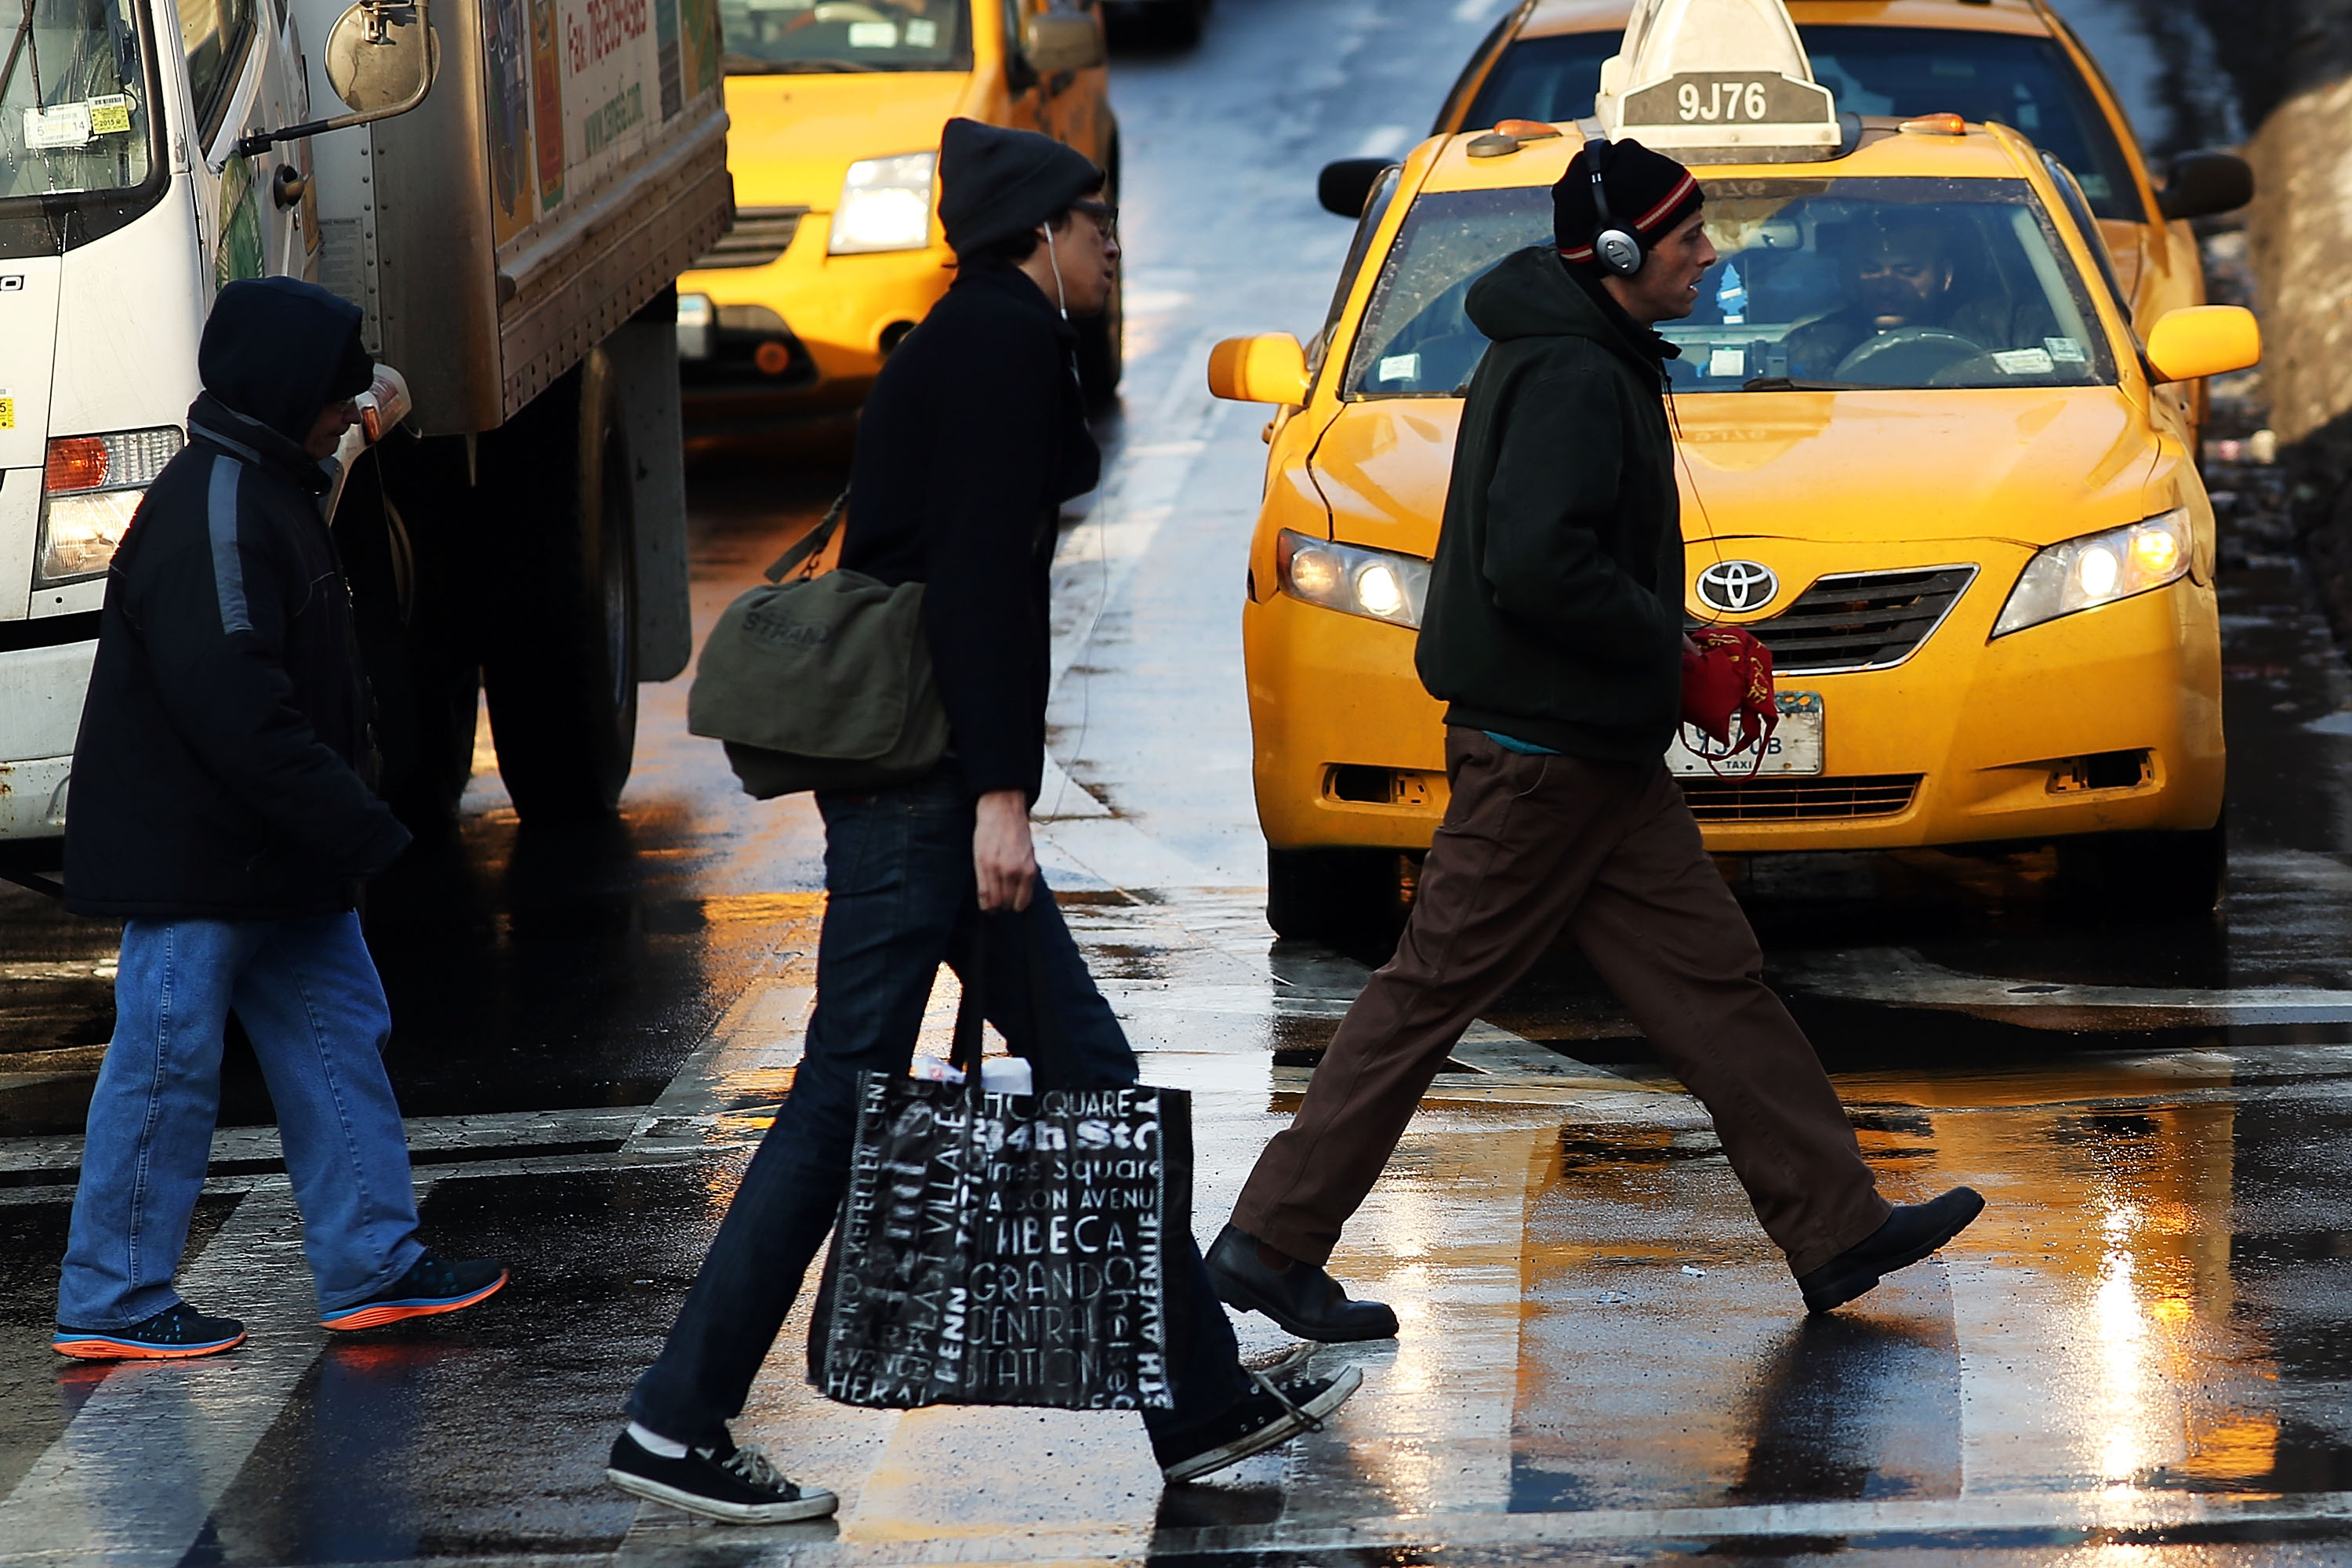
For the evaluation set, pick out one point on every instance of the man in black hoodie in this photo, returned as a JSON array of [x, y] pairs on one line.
[[973, 438], [1553, 632], [221, 812]]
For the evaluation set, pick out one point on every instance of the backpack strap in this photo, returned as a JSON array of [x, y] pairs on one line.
[[813, 543]]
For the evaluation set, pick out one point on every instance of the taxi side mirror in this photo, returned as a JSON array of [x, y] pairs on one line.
[[1058, 41], [2204, 340], [1343, 187], [1268, 368], [2199, 185]]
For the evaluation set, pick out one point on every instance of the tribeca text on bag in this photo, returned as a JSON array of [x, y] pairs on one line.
[[820, 682]]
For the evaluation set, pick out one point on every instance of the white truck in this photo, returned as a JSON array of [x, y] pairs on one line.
[[512, 217]]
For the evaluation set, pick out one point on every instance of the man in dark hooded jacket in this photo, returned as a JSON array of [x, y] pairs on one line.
[[1553, 632], [219, 810], [974, 437]]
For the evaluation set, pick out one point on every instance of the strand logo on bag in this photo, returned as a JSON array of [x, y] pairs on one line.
[[776, 626], [1001, 1250]]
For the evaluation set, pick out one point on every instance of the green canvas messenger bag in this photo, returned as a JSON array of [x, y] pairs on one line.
[[820, 682]]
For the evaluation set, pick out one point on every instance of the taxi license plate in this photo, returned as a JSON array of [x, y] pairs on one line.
[[1795, 746]]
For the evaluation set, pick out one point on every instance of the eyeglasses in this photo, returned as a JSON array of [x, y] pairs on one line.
[[1105, 217]]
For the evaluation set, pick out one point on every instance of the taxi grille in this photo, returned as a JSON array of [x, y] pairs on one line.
[[1861, 620], [1800, 799], [758, 236]]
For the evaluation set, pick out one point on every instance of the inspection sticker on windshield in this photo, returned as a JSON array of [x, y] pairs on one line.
[[873, 36], [2023, 361], [922, 34], [1400, 367], [1795, 747], [2066, 351], [62, 125], [109, 115]]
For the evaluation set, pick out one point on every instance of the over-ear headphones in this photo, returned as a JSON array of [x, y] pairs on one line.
[[1612, 247]]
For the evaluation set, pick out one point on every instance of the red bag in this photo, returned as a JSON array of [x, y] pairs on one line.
[[1730, 676]]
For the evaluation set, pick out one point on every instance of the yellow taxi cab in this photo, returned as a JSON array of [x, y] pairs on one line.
[[2014, 62], [1924, 457], [836, 108]]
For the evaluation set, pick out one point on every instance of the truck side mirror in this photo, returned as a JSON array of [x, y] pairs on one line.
[[378, 56], [1268, 368], [381, 57], [2204, 340], [1058, 41], [2199, 185], [1344, 186]]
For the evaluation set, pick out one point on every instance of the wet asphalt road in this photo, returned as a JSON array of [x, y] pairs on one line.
[[2138, 1354]]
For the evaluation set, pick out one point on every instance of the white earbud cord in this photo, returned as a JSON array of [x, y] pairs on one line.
[[1053, 259]]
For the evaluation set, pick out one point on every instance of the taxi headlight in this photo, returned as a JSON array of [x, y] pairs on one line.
[[1374, 584], [886, 205], [2098, 569], [90, 486]]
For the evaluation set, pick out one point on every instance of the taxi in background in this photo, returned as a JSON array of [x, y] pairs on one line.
[[2012, 62], [836, 109], [1925, 457]]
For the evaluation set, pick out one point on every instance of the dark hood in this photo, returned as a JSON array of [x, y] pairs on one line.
[[1532, 294], [276, 351]]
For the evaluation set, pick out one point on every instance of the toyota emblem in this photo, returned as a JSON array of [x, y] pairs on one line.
[[1738, 585]]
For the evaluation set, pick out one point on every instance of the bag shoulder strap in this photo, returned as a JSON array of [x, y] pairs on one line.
[[814, 540]]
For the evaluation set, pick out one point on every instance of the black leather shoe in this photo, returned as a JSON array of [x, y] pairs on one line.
[[1303, 1298], [1910, 1233]]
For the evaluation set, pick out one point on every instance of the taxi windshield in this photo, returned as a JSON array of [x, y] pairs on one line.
[[73, 99], [2025, 83], [771, 38], [1828, 283]]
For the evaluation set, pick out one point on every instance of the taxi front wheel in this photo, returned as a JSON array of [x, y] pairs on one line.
[[1349, 898], [2132, 876]]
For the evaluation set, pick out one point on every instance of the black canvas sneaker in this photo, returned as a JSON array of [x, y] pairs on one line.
[[737, 1485], [1278, 1410]]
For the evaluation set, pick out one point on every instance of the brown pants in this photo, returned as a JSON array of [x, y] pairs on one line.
[[1607, 851]]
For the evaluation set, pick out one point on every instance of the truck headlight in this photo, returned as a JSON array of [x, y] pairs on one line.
[[886, 205], [91, 485], [1377, 585], [2099, 569]]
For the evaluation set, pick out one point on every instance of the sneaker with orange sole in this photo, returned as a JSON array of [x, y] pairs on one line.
[[175, 1333], [429, 1287]]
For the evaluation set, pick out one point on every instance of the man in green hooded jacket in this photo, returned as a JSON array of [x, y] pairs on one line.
[[1553, 631]]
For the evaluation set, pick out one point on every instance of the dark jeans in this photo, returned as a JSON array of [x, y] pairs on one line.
[[901, 898]]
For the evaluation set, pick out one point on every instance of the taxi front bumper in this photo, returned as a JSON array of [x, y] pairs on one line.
[[2104, 721], [839, 315]]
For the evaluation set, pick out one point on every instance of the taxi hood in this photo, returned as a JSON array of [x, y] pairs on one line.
[[792, 138], [2029, 465], [2032, 466]]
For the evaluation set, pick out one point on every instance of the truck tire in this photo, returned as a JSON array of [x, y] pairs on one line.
[[559, 624], [2136, 876], [1344, 897], [410, 622]]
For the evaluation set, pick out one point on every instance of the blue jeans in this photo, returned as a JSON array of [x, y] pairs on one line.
[[901, 898], [308, 995]]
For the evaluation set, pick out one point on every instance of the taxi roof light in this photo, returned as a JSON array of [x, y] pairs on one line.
[[1944, 125], [1715, 81]]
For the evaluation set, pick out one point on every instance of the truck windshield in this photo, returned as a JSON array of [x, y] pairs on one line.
[[2026, 83], [73, 99], [1828, 283], [784, 36]]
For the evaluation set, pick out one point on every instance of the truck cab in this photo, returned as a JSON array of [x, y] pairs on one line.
[[512, 231]]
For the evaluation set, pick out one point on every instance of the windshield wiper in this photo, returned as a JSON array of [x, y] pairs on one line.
[[753, 65], [1793, 384]]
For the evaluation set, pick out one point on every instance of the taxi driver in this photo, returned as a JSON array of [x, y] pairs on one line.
[[1905, 287]]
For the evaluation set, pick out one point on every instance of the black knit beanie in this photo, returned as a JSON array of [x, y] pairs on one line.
[[1649, 196], [995, 184]]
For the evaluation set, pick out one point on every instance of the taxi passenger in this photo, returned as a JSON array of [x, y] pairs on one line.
[[1905, 279], [1553, 631]]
